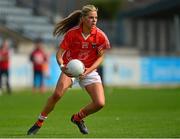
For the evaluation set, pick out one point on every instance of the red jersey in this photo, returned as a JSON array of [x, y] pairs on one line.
[[76, 46], [38, 58], [4, 59]]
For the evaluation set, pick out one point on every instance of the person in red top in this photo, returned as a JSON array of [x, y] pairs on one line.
[[4, 64], [86, 42], [38, 58]]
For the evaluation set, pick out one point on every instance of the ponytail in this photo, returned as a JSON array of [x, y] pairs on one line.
[[67, 23], [72, 20]]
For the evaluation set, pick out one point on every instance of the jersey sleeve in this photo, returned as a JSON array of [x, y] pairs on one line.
[[104, 43], [66, 41]]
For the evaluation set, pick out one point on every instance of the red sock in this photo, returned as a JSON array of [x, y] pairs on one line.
[[80, 115], [43, 114], [39, 122], [41, 119]]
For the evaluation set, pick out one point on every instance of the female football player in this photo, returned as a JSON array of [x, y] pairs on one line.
[[86, 42]]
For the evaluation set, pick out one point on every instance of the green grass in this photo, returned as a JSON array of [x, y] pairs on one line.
[[129, 113]]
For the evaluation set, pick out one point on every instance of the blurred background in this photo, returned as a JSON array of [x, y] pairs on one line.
[[144, 35]]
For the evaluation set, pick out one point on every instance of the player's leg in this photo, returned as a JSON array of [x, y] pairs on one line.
[[35, 81], [0, 80], [41, 82], [63, 84], [1, 83], [7, 82], [96, 93]]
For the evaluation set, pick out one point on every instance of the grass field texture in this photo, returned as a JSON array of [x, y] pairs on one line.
[[129, 113]]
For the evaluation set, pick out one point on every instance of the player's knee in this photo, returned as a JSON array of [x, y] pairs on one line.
[[62, 87], [56, 96], [100, 104], [59, 91]]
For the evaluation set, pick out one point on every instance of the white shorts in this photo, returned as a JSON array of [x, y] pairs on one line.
[[91, 78]]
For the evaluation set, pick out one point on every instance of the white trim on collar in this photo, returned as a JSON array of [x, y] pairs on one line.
[[85, 37]]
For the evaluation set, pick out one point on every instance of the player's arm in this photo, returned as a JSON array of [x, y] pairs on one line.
[[96, 63], [62, 48], [60, 61], [100, 52], [59, 57]]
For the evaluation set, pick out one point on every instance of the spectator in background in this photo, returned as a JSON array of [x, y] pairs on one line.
[[38, 58], [4, 65]]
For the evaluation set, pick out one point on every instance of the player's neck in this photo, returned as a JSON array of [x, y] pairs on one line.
[[86, 31]]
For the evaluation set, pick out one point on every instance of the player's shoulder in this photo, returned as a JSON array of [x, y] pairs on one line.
[[73, 29], [101, 33]]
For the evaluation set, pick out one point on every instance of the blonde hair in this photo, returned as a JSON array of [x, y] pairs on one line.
[[72, 20]]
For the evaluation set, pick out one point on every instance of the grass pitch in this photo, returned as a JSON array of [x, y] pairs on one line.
[[129, 113]]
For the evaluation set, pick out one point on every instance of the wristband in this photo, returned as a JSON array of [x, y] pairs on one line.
[[62, 65]]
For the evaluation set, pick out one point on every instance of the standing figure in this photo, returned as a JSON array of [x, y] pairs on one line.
[[38, 58], [86, 42], [4, 65]]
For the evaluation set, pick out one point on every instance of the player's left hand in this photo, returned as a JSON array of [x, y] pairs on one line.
[[86, 71]]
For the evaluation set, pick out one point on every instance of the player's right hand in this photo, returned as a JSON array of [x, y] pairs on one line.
[[64, 69]]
